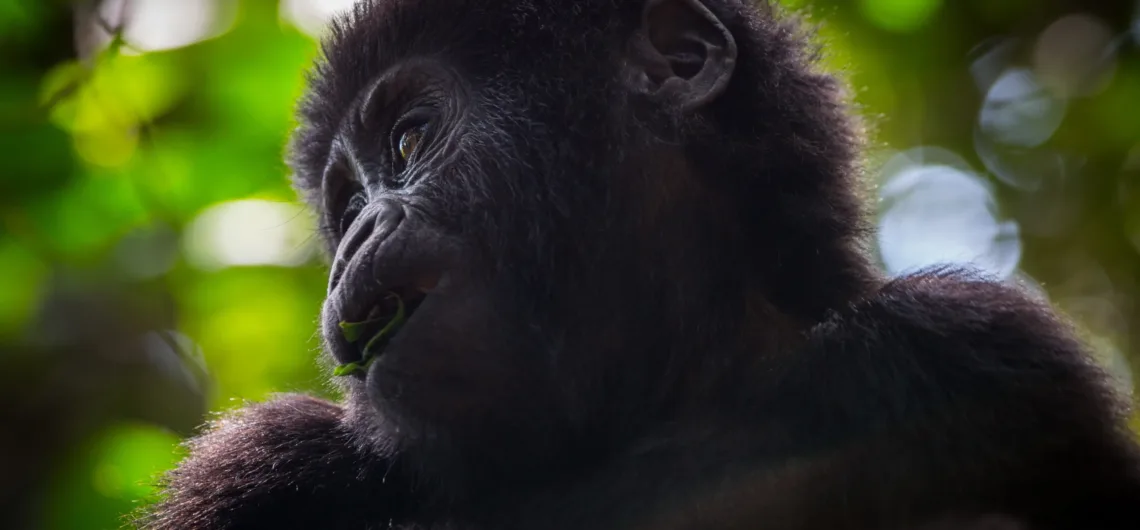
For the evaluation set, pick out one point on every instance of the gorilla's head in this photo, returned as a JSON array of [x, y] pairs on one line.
[[589, 216]]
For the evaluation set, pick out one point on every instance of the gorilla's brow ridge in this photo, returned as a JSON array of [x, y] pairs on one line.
[[361, 44]]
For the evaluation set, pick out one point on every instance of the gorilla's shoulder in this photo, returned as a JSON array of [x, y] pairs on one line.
[[951, 339]]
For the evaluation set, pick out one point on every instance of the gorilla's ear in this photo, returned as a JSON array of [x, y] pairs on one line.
[[682, 53]]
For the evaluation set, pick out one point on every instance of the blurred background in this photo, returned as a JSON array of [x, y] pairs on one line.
[[156, 268]]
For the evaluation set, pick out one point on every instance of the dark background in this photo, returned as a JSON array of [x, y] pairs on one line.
[[155, 267]]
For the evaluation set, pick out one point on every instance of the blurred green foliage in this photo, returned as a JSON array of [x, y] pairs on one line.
[[124, 319]]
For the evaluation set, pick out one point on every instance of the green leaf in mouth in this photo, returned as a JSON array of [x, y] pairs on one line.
[[351, 368], [352, 331]]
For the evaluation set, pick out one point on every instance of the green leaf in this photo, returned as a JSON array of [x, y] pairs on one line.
[[348, 369], [395, 323], [351, 332]]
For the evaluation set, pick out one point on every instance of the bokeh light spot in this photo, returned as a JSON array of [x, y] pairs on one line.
[[313, 16], [1074, 56], [1019, 110], [938, 214], [153, 25], [250, 232]]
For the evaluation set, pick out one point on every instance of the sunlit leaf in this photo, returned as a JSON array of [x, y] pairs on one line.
[[63, 82], [121, 92]]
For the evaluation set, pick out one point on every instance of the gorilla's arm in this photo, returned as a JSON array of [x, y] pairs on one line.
[[944, 395], [287, 463]]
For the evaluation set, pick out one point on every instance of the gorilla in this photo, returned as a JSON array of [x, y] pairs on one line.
[[600, 264]]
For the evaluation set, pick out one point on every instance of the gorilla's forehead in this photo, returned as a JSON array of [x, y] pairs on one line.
[[481, 35]]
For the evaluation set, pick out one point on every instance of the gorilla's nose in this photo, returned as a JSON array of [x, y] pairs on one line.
[[376, 222]]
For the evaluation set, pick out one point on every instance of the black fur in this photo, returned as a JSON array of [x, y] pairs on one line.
[[654, 317]]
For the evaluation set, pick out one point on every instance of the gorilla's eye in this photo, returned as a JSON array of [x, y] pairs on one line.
[[409, 141], [351, 211]]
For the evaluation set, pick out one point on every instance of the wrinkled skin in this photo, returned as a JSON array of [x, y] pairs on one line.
[[628, 240]]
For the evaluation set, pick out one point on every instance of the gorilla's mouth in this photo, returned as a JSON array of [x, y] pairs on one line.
[[382, 323]]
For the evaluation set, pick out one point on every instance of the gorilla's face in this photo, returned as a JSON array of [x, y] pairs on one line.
[[439, 297], [507, 228]]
